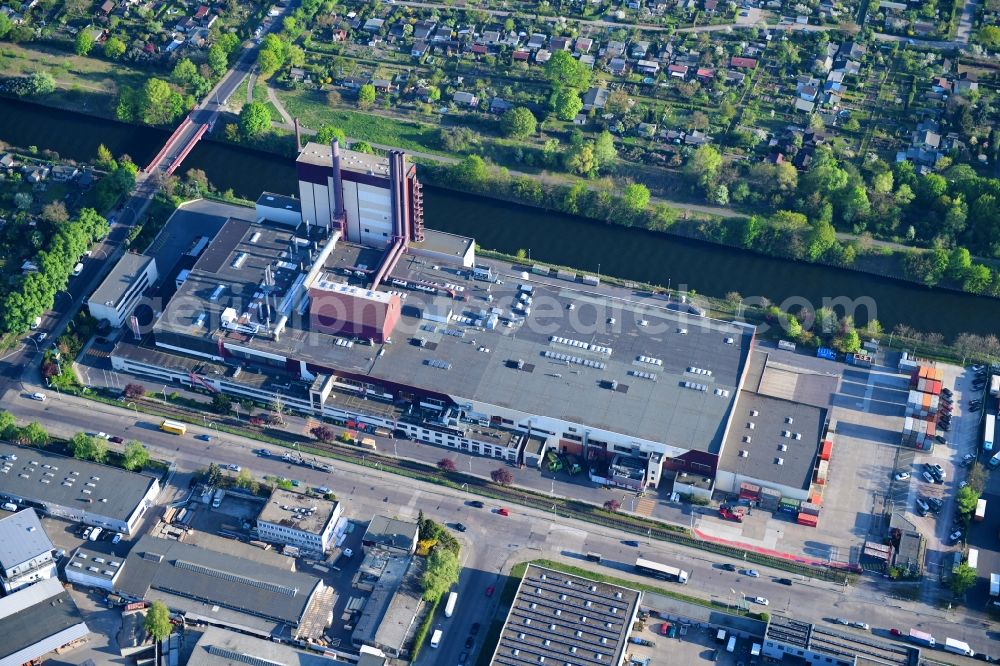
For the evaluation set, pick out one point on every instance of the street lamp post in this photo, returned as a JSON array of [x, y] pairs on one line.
[[164, 394], [133, 406]]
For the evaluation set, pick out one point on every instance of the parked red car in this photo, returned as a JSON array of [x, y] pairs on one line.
[[503, 511]]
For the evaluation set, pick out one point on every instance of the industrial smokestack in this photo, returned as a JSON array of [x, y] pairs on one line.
[[298, 135], [338, 186]]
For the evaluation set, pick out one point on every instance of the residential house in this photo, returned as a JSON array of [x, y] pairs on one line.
[[711, 6], [588, 60], [7, 161], [595, 98], [354, 82], [466, 33], [735, 78], [835, 77], [646, 130], [465, 99], [520, 55], [614, 49], [479, 49], [35, 174], [107, 7], [807, 89], [419, 48], [852, 50], [705, 74], [926, 140], [490, 37], [500, 106], [442, 34], [639, 49], [618, 66], [63, 173], [422, 29], [560, 44], [804, 105], [383, 86], [374, 25], [823, 64], [537, 41], [651, 67], [339, 35], [743, 63], [583, 45], [963, 86], [696, 138], [201, 13], [542, 56], [678, 71]]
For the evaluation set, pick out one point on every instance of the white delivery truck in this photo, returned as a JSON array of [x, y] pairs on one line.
[[95, 533], [449, 607], [436, 638], [958, 647]]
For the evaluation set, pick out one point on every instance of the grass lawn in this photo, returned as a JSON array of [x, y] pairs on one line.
[[83, 84], [260, 96], [313, 112]]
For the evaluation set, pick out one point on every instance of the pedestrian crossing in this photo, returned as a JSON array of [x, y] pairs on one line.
[[644, 506]]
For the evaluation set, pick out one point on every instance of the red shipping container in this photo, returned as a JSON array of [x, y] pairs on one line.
[[806, 519], [826, 451], [749, 491]]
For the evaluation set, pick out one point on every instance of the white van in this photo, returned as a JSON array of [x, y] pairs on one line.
[[9, 506], [78, 268], [38, 396], [436, 638], [732, 644], [35, 324], [95, 534]]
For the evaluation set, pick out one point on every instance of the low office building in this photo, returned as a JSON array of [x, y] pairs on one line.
[[797, 642], [280, 209], [224, 589], [387, 617], [559, 618], [77, 490], [308, 523], [391, 535], [88, 569], [116, 297], [25, 551], [37, 620]]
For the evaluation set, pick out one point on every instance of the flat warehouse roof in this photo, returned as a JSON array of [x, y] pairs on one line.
[[782, 430], [198, 573], [560, 618], [37, 620], [297, 511], [40, 476], [600, 359], [22, 538]]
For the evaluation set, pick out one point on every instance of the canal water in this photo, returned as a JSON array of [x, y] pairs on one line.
[[592, 247]]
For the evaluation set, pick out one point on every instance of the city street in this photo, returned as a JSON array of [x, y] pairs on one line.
[[493, 542]]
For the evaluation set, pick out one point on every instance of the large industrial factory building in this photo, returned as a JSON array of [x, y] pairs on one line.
[[362, 314]]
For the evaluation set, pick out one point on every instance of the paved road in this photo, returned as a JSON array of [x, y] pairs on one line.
[[492, 542]]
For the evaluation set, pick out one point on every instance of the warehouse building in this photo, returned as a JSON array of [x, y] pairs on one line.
[[116, 297], [772, 443], [222, 588], [559, 618], [391, 535], [25, 551], [308, 523], [76, 490], [37, 620], [92, 569], [798, 642], [218, 647]]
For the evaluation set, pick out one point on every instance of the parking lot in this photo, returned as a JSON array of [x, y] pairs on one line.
[[691, 644]]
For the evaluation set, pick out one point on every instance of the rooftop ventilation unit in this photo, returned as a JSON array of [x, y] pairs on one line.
[[782, 447], [729, 341], [240, 259], [255, 237], [754, 412], [789, 419], [747, 438], [779, 461], [744, 453], [217, 292]]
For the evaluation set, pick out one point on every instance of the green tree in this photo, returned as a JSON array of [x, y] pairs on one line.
[[184, 72], [8, 425], [157, 621], [882, 182], [327, 133], [566, 103], [33, 434], [23, 200], [6, 25], [135, 457], [518, 122], [822, 237], [636, 197], [792, 326], [105, 159], [255, 119], [604, 150], [564, 71], [114, 48], [366, 96], [440, 573], [471, 172], [704, 165], [86, 447], [268, 62], [966, 499], [581, 160], [218, 59], [214, 475], [55, 213], [363, 147], [959, 263], [977, 279], [989, 37], [84, 42], [40, 83], [222, 403], [963, 577], [159, 103]]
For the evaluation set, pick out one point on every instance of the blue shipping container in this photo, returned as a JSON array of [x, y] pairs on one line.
[[827, 353]]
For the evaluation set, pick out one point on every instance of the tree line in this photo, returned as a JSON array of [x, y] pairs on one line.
[[33, 293]]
